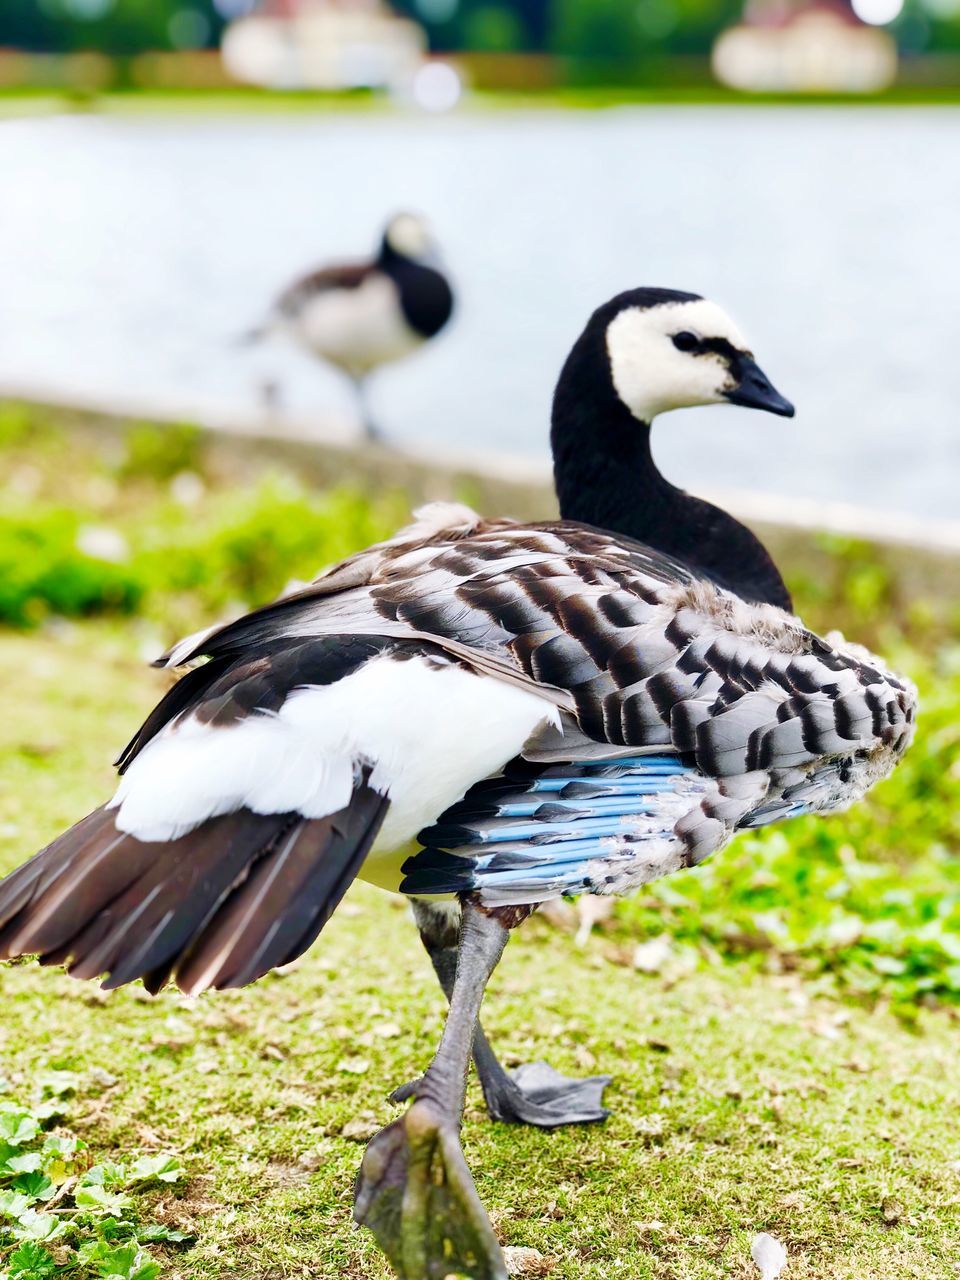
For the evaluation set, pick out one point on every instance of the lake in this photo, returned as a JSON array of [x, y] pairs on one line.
[[134, 250]]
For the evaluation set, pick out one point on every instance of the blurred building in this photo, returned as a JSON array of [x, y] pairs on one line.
[[804, 46], [323, 44]]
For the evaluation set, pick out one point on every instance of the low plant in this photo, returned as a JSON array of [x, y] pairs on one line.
[[45, 568], [62, 1213]]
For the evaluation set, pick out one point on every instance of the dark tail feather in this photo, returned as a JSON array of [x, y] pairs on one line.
[[218, 907], [278, 912]]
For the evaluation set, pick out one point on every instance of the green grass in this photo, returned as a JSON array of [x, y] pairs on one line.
[[789, 1066], [231, 101]]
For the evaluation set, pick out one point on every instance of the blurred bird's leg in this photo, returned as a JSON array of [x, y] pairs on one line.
[[371, 431], [250, 337], [414, 1191], [530, 1094], [271, 394]]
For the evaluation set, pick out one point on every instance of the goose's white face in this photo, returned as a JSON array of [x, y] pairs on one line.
[[410, 235], [679, 354]]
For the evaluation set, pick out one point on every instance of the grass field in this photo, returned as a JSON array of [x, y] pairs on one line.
[[229, 101], [786, 1065]]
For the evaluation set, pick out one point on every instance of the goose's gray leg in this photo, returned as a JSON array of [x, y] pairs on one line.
[[530, 1094], [371, 431], [414, 1191]]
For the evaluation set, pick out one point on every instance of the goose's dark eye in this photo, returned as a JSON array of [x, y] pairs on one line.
[[686, 341]]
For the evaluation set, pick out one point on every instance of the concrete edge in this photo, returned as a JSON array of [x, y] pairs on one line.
[[337, 439]]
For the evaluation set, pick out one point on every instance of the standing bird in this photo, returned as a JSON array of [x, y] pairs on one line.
[[550, 708], [361, 315]]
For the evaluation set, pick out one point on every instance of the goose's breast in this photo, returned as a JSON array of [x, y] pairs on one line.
[[357, 328]]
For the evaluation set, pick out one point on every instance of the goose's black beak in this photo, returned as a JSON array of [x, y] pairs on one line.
[[755, 390]]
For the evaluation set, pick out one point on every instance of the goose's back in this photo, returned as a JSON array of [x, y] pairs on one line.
[[637, 652]]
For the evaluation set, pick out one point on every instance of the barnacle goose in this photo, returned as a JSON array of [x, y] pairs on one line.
[[361, 315], [577, 705]]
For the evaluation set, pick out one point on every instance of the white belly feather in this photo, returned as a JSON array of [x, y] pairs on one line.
[[427, 732], [357, 329]]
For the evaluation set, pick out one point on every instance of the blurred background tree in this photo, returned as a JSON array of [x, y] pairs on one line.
[[588, 30], [116, 27]]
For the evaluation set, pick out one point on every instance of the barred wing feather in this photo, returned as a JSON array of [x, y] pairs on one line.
[[745, 715]]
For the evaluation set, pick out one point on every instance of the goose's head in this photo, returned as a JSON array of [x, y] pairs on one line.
[[408, 235], [671, 350]]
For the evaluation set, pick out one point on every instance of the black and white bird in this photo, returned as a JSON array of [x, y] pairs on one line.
[[360, 315], [547, 709]]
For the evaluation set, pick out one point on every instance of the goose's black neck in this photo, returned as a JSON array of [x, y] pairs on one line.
[[605, 475], [426, 298]]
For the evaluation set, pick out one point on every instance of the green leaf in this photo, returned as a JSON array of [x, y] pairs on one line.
[[28, 1162], [108, 1174], [60, 1147], [154, 1234], [162, 1168], [36, 1185], [50, 1110], [120, 1262], [13, 1204], [147, 1270], [100, 1200], [37, 1226], [114, 1229], [55, 1084], [30, 1261], [16, 1125]]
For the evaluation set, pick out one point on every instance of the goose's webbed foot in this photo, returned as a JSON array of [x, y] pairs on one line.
[[531, 1094], [416, 1195], [415, 1192], [537, 1094]]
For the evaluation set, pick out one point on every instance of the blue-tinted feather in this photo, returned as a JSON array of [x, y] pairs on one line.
[[546, 826]]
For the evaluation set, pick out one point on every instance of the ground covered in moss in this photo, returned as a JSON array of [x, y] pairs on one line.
[[780, 1025]]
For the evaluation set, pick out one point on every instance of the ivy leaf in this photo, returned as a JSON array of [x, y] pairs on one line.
[[30, 1261], [163, 1168]]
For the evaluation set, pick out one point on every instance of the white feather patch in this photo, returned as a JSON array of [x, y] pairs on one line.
[[650, 375], [769, 1255], [428, 733], [356, 329]]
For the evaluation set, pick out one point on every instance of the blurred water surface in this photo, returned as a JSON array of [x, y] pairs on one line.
[[134, 250]]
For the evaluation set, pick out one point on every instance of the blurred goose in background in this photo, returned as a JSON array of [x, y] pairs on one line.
[[549, 709], [361, 315]]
